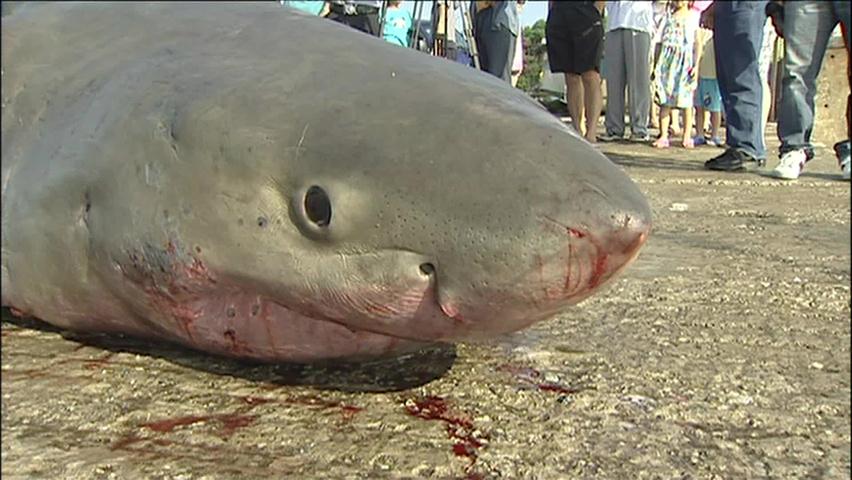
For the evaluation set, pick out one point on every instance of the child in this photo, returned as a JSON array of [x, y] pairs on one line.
[[662, 10], [707, 96], [675, 75], [311, 7], [397, 24]]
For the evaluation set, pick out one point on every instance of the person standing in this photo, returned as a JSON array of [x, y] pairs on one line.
[[518, 62], [806, 27], [359, 14], [707, 96], [662, 10], [676, 71], [574, 33], [627, 53], [765, 57], [397, 26], [496, 28], [737, 37], [313, 7]]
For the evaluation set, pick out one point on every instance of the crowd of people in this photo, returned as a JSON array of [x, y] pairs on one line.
[[495, 24], [364, 15], [698, 57], [672, 61]]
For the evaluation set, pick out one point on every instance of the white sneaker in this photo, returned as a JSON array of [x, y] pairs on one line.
[[790, 166]]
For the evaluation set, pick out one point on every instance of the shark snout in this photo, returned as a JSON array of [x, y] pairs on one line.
[[568, 254], [595, 239], [595, 254]]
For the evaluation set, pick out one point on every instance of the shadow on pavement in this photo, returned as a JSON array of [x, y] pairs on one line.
[[390, 374], [655, 162]]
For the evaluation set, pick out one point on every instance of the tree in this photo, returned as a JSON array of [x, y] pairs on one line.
[[534, 50]]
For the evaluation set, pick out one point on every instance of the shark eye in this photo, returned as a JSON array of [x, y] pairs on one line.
[[318, 206]]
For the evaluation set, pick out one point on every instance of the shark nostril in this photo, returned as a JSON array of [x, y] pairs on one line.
[[427, 268]]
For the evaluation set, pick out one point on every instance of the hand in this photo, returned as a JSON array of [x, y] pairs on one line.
[[775, 11], [708, 16], [778, 23]]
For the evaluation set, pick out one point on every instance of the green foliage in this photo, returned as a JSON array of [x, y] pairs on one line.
[[534, 51]]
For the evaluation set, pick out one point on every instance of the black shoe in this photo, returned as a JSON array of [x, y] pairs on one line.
[[610, 137], [733, 160]]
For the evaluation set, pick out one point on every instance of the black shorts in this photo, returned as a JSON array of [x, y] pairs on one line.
[[574, 39]]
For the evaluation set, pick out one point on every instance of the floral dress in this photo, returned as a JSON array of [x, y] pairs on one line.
[[675, 77]]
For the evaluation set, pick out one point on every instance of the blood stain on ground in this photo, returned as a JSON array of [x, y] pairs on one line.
[[530, 377], [227, 423], [459, 428], [230, 422]]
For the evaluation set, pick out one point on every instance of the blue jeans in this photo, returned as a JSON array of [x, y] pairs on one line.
[[737, 36], [807, 30]]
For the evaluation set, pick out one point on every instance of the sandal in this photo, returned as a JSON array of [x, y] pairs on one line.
[[689, 143], [661, 143]]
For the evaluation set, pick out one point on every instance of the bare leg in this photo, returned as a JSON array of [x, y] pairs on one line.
[[687, 128], [715, 121], [700, 121], [655, 112], [575, 100], [655, 108], [665, 120], [593, 103], [764, 113], [674, 120]]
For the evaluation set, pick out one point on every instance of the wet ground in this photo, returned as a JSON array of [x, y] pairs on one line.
[[723, 352]]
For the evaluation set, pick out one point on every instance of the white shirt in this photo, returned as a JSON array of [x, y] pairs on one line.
[[630, 14]]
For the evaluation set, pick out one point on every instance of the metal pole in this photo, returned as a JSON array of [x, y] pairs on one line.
[[446, 27], [436, 27], [383, 12], [467, 27], [418, 15]]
